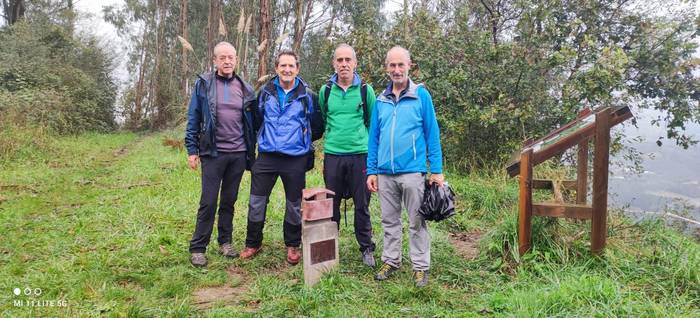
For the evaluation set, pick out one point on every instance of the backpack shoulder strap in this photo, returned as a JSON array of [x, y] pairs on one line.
[[326, 94], [365, 113], [305, 103]]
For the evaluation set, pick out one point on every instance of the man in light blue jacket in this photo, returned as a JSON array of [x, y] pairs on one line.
[[403, 133]]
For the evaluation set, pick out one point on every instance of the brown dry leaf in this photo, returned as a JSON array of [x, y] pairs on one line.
[[264, 78], [185, 44], [222, 26], [262, 45], [281, 38], [162, 250], [247, 23], [241, 21]]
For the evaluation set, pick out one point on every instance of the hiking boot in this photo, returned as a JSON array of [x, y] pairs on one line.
[[368, 257], [227, 250], [293, 255], [385, 271], [198, 260], [249, 252], [420, 278]]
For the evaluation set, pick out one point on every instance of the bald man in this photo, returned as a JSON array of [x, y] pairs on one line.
[[220, 135], [346, 102], [403, 133]]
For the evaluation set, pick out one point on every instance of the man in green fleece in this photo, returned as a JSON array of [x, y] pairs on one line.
[[347, 114]]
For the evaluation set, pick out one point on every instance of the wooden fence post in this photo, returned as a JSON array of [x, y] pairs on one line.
[[525, 207], [599, 230]]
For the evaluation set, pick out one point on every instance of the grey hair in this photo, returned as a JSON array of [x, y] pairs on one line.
[[343, 46], [223, 44], [400, 49]]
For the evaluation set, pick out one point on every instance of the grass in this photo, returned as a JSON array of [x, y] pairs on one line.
[[103, 222]]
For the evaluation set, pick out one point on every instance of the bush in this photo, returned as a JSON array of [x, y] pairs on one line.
[[51, 80]]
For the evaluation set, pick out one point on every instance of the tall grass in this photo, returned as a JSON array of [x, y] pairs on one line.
[[103, 222]]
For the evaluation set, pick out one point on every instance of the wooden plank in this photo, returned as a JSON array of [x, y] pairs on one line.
[[525, 202], [582, 173], [547, 184], [562, 210], [576, 138], [569, 141], [600, 181]]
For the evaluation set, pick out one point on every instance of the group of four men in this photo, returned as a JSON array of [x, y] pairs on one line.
[[378, 144]]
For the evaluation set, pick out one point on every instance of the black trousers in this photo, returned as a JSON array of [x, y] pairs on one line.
[[222, 173], [348, 174], [266, 169]]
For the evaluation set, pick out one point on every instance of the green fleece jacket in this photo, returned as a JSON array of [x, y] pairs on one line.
[[345, 127]]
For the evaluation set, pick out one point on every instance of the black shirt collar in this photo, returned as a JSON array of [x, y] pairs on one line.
[[390, 91], [221, 78]]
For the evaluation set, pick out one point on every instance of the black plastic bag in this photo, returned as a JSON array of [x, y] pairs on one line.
[[438, 202]]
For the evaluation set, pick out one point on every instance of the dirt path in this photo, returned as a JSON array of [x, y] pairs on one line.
[[230, 294], [466, 244]]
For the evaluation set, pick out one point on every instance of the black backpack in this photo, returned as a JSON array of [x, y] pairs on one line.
[[363, 93]]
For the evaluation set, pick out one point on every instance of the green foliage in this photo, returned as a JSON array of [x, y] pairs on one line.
[[52, 80], [494, 88]]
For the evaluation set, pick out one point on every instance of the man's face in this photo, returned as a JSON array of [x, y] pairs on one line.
[[397, 66], [225, 61], [344, 64], [287, 69]]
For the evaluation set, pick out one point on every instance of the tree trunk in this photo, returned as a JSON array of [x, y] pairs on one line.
[[14, 10], [213, 29], [301, 19], [493, 21], [157, 93], [135, 116], [298, 5], [183, 66], [264, 36], [329, 30]]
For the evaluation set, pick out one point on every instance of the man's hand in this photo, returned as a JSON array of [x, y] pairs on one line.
[[372, 183], [437, 178], [193, 161]]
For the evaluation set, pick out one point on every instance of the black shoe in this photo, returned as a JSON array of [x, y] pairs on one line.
[[420, 278], [385, 272], [198, 260]]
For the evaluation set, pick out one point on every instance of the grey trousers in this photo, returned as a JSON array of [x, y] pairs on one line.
[[406, 189]]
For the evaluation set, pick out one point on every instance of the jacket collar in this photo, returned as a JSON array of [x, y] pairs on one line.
[[355, 79], [410, 91], [299, 89], [210, 77]]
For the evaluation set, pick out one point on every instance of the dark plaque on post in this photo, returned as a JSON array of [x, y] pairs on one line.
[[322, 251]]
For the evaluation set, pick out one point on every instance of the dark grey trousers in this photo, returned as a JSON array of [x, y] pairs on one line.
[[222, 173], [267, 168]]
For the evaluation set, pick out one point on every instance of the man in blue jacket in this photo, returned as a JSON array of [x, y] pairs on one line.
[[288, 123], [403, 132], [220, 134]]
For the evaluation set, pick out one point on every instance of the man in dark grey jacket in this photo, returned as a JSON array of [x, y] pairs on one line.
[[220, 135]]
